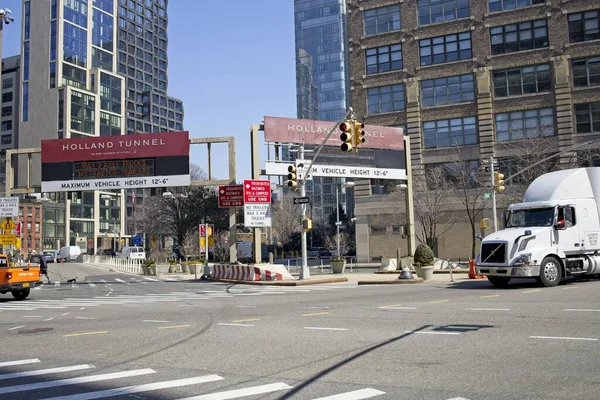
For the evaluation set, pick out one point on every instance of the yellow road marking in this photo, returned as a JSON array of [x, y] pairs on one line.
[[174, 326], [439, 301], [571, 287], [85, 333], [491, 295], [246, 320], [319, 313], [533, 291]]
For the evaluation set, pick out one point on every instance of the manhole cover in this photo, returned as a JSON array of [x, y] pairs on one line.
[[36, 330]]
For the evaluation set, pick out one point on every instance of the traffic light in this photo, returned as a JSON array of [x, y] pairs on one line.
[[306, 224], [346, 135], [292, 177], [484, 223], [359, 134], [499, 182]]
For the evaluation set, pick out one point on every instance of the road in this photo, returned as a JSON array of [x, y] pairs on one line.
[[120, 336]]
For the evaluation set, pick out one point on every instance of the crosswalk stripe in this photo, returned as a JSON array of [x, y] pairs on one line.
[[75, 381], [19, 362], [92, 284], [45, 371], [122, 281], [234, 394], [139, 388], [57, 284], [355, 395], [151, 279]]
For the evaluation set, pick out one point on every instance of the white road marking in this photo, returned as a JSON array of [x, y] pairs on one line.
[[57, 284], [85, 318], [581, 309], [324, 308], [562, 338], [122, 281], [65, 313], [152, 279], [45, 371], [458, 398], [224, 324], [33, 316], [434, 333], [325, 329], [92, 284], [234, 394], [49, 319], [487, 309], [154, 320], [245, 306], [19, 362], [82, 308], [397, 308], [140, 388], [75, 381], [16, 327], [103, 280], [355, 395]]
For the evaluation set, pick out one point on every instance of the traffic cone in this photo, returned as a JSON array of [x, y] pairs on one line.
[[473, 272]]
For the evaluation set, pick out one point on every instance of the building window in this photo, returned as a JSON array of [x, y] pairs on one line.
[[26, 61], [503, 5], [385, 99], [7, 125], [52, 75], [518, 37], [7, 111], [7, 97], [587, 117], [75, 45], [27, 21], [7, 83], [450, 132], [459, 174], [73, 76], [25, 102], [383, 59], [82, 112], [586, 72], [433, 11], [6, 139], [378, 230], [584, 26], [53, 41], [448, 90], [382, 19], [102, 59], [75, 11], [526, 80], [104, 5], [102, 32], [447, 48], [524, 124]]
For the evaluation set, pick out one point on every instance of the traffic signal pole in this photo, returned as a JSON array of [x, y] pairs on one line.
[[305, 271], [494, 210]]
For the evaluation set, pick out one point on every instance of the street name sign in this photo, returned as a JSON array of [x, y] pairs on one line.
[[9, 207], [257, 215], [340, 171], [301, 200], [258, 190], [231, 196]]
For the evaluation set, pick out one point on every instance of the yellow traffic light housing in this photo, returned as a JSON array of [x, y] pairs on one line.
[[346, 136], [484, 223], [292, 177], [359, 134], [306, 224], [499, 182]]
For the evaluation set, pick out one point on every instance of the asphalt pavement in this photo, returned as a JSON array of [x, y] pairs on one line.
[[111, 335]]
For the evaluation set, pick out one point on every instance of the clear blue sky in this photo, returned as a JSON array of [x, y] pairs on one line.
[[230, 61]]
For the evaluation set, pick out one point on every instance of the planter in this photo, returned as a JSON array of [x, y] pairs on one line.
[[172, 269], [192, 268], [426, 273], [145, 270], [338, 267], [152, 269], [185, 269]]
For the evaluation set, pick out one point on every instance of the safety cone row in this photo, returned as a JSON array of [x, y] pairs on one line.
[[473, 272]]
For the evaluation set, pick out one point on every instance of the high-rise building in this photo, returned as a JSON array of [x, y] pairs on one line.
[[472, 80], [11, 79], [70, 88], [322, 86]]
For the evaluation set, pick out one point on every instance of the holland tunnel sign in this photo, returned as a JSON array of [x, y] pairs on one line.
[[116, 162]]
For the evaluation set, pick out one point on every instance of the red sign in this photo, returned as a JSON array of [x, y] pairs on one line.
[[231, 196], [146, 145], [17, 230], [257, 191], [289, 130], [202, 230]]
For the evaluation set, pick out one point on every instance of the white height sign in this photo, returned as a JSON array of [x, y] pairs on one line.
[[9, 207], [341, 171], [257, 215]]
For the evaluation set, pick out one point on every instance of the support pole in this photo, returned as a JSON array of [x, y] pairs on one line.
[[304, 272], [337, 219], [256, 232], [494, 210], [410, 213], [232, 214]]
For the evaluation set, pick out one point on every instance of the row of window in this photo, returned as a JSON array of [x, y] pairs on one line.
[[388, 18], [453, 47], [461, 88]]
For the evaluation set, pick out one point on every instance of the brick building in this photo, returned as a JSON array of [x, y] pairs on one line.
[[465, 78], [30, 215]]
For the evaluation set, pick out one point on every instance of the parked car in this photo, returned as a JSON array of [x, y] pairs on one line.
[[107, 252], [69, 253], [133, 253], [49, 256], [34, 258]]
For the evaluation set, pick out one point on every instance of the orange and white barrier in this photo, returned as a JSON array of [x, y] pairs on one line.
[[268, 272]]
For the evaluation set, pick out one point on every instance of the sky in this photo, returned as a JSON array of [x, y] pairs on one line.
[[230, 61]]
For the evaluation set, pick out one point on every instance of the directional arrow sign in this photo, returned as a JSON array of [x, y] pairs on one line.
[[301, 200]]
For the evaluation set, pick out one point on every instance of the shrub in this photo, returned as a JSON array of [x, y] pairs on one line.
[[423, 256]]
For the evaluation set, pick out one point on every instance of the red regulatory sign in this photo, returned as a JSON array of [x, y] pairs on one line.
[[257, 191], [231, 196]]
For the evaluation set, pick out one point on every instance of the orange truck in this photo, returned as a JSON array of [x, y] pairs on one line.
[[17, 280]]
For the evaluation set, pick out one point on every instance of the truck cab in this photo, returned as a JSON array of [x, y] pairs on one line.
[[553, 234], [17, 280]]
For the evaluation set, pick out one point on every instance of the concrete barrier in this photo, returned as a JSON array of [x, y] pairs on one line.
[[259, 272]]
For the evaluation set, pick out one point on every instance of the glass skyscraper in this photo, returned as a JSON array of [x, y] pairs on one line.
[[322, 82]]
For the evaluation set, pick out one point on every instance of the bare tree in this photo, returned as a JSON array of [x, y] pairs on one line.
[[191, 243], [331, 243], [287, 218], [221, 249]]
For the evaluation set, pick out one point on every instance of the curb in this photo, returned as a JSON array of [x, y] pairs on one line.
[[436, 272], [284, 283], [394, 282]]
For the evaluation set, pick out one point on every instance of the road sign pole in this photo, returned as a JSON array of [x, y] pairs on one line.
[[494, 211], [304, 272]]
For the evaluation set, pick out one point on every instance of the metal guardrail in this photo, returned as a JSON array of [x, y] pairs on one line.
[[117, 263]]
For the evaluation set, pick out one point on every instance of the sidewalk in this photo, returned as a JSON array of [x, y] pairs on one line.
[[362, 278]]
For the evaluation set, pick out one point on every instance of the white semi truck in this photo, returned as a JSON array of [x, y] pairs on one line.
[[553, 234]]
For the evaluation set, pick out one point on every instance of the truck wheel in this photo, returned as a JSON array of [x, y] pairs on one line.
[[20, 294], [550, 272], [498, 281]]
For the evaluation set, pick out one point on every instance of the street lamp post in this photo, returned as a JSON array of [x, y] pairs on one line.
[[337, 210]]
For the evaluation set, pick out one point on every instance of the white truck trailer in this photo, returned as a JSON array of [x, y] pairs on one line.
[[553, 234]]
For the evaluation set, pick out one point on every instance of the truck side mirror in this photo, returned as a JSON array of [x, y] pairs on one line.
[[560, 225]]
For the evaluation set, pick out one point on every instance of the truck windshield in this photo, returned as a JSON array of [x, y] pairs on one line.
[[531, 217]]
